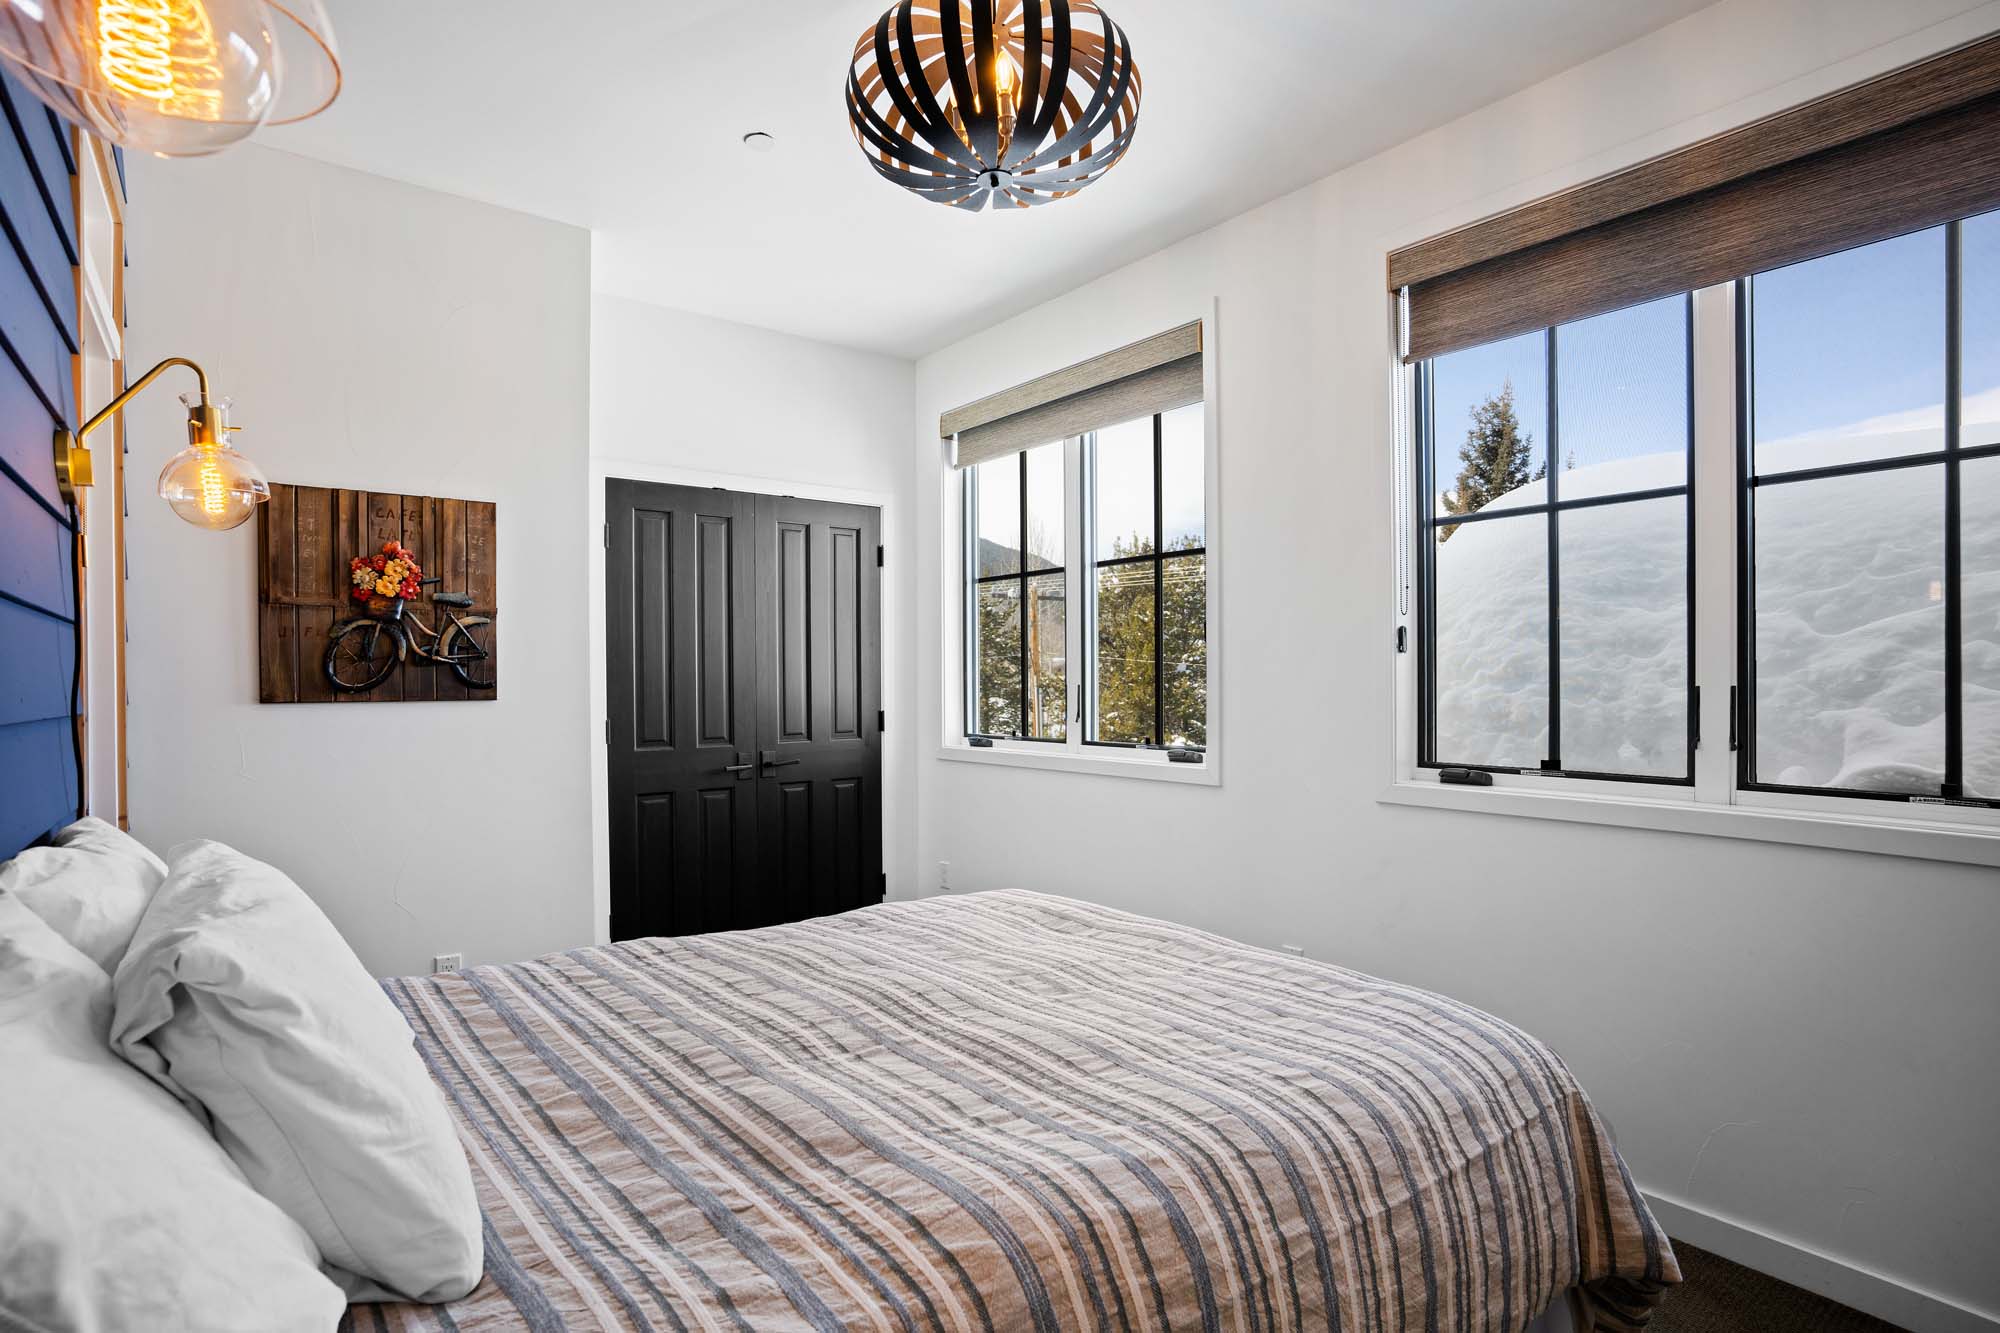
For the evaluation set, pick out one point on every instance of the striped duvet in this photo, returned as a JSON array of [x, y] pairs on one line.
[[1008, 1111]]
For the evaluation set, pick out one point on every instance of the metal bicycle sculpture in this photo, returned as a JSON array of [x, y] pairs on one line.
[[360, 653]]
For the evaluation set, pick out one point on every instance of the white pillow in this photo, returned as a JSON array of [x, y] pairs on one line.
[[118, 1211], [92, 886], [238, 994]]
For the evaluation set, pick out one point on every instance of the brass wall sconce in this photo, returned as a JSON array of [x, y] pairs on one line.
[[208, 483]]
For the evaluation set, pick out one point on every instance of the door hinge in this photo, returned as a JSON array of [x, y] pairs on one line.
[[885, 884], [881, 719], [1733, 740], [878, 557], [607, 731], [1402, 638], [607, 536]]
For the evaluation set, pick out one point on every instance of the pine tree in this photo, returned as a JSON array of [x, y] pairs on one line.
[[1125, 705], [1494, 458]]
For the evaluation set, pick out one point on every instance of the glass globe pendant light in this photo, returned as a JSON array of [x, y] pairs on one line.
[[177, 78], [208, 483]]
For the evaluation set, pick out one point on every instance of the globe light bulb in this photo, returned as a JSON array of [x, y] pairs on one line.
[[213, 486], [178, 78], [210, 485]]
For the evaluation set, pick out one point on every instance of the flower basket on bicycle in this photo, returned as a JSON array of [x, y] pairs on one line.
[[384, 581]]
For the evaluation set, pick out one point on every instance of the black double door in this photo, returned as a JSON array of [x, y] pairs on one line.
[[743, 642]]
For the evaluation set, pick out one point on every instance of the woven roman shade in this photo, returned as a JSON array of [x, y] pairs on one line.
[[1911, 149], [1155, 374]]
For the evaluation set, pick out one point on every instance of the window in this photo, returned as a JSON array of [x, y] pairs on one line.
[[1018, 682], [1698, 484], [1872, 519], [1112, 523], [1556, 533], [1148, 530], [1852, 539]]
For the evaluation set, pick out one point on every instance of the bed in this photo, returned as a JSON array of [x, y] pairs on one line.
[[1011, 1111]]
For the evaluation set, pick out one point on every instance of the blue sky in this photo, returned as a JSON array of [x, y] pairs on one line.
[[1838, 341]]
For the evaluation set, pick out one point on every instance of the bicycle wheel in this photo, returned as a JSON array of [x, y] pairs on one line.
[[468, 646], [360, 655]]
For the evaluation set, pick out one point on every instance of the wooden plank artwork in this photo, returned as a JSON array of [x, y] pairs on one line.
[[306, 535]]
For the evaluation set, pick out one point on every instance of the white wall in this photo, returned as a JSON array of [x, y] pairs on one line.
[[684, 398], [374, 335], [1797, 1047]]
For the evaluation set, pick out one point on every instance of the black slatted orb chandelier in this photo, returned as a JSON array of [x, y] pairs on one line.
[[1011, 101]]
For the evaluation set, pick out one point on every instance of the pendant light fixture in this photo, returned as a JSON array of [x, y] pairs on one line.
[[966, 102], [177, 78]]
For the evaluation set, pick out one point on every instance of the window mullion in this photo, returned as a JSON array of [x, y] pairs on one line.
[[1079, 612], [1025, 726], [1954, 592], [968, 620], [1715, 539], [1159, 591], [1551, 452]]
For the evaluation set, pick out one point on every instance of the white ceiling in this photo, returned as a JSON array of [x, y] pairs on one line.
[[626, 116]]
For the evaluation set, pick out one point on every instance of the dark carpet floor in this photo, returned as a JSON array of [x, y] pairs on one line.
[[1716, 1296]]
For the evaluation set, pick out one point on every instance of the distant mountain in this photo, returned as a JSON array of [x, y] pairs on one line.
[[1000, 558]]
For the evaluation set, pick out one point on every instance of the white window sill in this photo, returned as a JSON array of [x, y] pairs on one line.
[[1148, 766], [1934, 840]]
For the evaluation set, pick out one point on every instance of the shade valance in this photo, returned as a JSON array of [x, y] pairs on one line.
[[1155, 374], [1910, 149]]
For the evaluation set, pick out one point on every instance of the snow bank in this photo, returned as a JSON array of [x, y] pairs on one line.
[[1849, 632]]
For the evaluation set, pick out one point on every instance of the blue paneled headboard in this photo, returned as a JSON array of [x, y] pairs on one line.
[[40, 778]]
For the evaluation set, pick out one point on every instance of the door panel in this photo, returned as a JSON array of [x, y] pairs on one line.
[[819, 642], [742, 632], [653, 609], [716, 650], [845, 632], [653, 861], [847, 877], [794, 647], [682, 709], [793, 874]]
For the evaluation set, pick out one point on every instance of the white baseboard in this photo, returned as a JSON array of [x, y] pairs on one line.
[[1908, 1307]]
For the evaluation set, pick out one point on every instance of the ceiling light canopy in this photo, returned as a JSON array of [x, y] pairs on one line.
[[1011, 101], [178, 78]]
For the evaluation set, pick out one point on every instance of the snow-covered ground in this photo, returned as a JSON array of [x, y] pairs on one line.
[[1850, 620]]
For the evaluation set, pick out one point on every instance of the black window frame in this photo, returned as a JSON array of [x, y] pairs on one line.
[[1427, 522], [1951, 457], [1022, 577], [1158, 558]]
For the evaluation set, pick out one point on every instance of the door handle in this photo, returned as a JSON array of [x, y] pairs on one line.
[[772, 762], [741, 769]]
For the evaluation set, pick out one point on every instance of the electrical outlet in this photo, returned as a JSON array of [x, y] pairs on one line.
[[1293, 949], [944, 877], [447, 962]]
